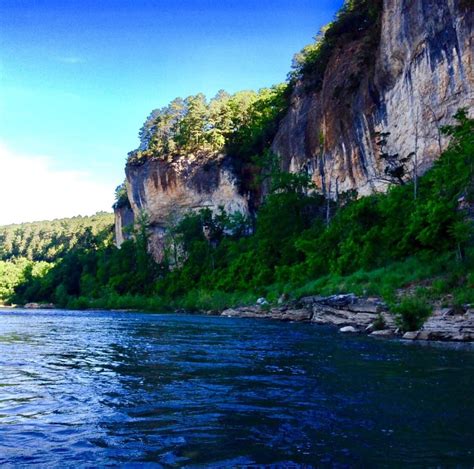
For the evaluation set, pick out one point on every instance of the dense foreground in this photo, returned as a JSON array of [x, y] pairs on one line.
[[82, 388]]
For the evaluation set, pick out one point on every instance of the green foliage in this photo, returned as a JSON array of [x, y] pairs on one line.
[[372, 245], [243, 124], [51, 240], [384, 281], [379, 323], [18, 272], [411, 312], [356, 19], [121, 197]]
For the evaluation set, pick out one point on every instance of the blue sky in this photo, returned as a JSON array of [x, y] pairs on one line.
[[79, 77]]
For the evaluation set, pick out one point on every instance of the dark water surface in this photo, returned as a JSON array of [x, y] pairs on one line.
[[88, 389]]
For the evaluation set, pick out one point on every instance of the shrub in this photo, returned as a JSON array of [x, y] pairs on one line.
[[379, 323], [411, 312]]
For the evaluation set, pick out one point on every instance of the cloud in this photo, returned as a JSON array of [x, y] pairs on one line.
[[71, 59], [32, 189]]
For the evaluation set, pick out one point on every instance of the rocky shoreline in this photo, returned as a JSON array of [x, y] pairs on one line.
[[352, 314]]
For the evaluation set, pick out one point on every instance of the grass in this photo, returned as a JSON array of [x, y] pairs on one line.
[[408, 286], [411, 312], [383, 282]]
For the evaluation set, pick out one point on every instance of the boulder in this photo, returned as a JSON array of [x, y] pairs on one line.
[[383, 333], [411, 335], [340, 300], [39, 306], [348, 329]]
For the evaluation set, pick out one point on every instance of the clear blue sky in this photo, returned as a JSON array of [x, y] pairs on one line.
[[79, 77]]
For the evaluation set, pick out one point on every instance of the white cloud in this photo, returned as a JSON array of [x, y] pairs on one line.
[[32, 189], [71, 59]]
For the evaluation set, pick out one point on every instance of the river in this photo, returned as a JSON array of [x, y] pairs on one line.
[[88, 389]]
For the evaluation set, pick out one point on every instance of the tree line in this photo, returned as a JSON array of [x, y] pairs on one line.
[[49, 240]]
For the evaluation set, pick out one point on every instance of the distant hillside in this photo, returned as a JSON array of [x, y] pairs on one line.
[[50, 240]]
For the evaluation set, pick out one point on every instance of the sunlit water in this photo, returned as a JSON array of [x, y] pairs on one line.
[[88, 389]]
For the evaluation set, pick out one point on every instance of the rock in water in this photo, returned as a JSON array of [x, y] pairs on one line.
[[383, 333], [348, 329]]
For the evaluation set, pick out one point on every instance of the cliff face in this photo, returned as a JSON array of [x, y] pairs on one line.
[[166, 189], [409, 83], [124, 220], [420, 74]]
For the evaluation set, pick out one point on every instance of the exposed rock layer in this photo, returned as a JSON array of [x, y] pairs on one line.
[[445, 324], [421, 73], [166, 189], [364, 315], [336, 310], [124, 220]]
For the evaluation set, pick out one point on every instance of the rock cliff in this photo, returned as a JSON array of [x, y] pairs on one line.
[[166, 189], [420, 74], [124, 220], [409, 83]]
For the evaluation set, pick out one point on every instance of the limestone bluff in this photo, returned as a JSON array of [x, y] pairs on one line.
[[419, 72], [166, 189]]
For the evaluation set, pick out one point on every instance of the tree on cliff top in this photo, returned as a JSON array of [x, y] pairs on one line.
[[242, 124]]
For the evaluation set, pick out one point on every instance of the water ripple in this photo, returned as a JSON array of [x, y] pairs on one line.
[[88, 389]]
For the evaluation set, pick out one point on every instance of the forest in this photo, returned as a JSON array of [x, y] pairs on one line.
[[31, 249], [241, 124]]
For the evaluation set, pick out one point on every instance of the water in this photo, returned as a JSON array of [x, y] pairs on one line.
[[86, 389]]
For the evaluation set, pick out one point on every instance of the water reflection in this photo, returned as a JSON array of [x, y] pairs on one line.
[[103, 388]]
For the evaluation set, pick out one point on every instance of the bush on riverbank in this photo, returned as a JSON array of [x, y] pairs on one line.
[[411, 312]]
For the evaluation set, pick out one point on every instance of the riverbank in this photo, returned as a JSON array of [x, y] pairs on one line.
[[348, 312], [352, 314]]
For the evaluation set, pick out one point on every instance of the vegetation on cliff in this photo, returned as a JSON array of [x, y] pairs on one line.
[[241, 124], [355, 20], [372, 245]]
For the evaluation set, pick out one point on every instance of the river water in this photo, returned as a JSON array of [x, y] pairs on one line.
[[88, 389]]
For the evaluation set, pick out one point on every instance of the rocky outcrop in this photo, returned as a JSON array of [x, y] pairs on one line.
[[166, 189], [349, 310], [446, 324], [410, 85], [124, 220], [283, 313], [39, 306], [344, 311], [352, 314]]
